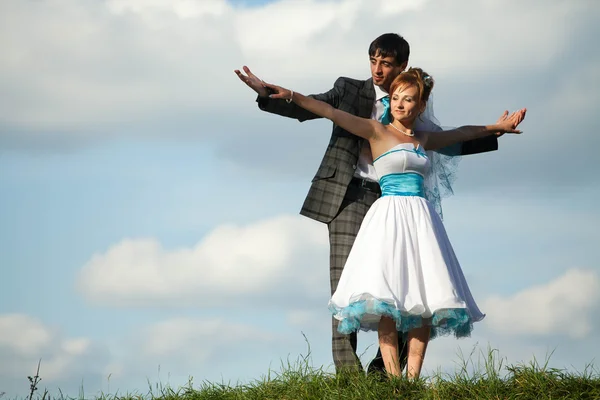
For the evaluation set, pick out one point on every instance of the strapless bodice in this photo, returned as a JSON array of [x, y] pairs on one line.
[[401, 170]]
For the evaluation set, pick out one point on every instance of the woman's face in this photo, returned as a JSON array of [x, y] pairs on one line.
[[404, 103]]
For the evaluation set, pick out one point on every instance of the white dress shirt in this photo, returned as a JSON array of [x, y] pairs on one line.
[[364, 167]]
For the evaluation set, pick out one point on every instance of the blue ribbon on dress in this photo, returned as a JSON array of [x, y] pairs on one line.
[[402, 184]]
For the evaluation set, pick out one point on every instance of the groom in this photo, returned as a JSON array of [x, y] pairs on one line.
[[345, 185]]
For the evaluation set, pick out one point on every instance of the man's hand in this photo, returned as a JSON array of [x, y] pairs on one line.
[[279, 92], [515, 119], [252, 81]]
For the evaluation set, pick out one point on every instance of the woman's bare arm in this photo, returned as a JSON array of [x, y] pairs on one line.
[[438, 140], [363, 127]]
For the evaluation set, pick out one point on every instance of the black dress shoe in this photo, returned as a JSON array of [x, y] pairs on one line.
[[376, 366]]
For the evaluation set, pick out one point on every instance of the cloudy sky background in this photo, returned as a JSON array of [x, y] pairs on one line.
[[150, 226]]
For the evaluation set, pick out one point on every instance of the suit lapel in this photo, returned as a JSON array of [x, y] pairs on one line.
[[366, 99]]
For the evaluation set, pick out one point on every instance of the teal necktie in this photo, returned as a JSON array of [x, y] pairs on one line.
[[385, 117]]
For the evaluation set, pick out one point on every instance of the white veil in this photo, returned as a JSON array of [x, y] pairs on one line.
[[444, 163]]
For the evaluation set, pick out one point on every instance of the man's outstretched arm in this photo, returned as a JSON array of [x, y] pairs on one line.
[[280, 106]]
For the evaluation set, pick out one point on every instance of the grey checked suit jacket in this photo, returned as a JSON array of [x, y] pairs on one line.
[[337, 168]]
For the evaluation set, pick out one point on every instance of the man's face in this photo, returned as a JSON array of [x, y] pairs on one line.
[[384, 70]]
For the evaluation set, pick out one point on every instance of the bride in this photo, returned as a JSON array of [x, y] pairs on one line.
[[402, 274]]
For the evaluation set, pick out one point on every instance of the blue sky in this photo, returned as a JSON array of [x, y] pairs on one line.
[[149, 210]]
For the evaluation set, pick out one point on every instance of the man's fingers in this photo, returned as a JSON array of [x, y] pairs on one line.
[[242, 77], [250, 74]]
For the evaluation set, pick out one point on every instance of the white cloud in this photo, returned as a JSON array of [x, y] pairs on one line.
[[160, 8], [277, 257], [24, 334], [25, 340], [452, 356], [82, 68], [179, 346], [290, 36], [203, 349], [566, 305]]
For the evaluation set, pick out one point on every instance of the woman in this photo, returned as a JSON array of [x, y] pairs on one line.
[[402, 274]]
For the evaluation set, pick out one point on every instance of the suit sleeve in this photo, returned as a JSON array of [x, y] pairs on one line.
[[291, 110], [475, 146], [481, 145]]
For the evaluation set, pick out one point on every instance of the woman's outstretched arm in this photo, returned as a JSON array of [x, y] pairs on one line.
[[363, 127], [438, 140]]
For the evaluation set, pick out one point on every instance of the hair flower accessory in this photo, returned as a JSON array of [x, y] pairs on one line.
[[427, 80]]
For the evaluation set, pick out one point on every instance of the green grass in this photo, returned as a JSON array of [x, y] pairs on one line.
[[490, 379]]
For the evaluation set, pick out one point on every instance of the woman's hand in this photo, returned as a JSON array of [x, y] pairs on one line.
[[508, 123]]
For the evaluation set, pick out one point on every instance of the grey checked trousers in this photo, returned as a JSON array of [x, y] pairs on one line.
[[342, 232]]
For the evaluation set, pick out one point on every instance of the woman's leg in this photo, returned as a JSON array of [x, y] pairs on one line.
[[417, 345], [388, 343]]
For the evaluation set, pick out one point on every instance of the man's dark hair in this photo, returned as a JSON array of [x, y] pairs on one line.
[[390, 45]]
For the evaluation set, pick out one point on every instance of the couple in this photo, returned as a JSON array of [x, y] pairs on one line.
[[392, 267]]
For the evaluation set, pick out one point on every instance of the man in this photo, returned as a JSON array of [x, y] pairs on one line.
[[345, 185]]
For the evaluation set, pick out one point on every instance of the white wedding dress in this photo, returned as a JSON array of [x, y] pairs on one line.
[[402, 264]]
